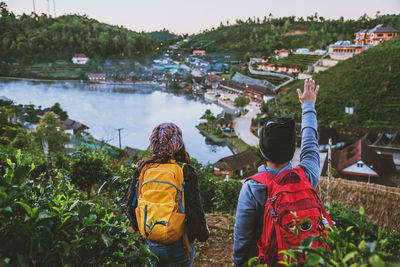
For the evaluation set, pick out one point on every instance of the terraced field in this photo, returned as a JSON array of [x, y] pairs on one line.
[[300, 60]]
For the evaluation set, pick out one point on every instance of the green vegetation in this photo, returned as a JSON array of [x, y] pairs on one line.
[[303, 61], [260, 37], [369, 82], [241, 101], [72, 210], [58, 70], [34, 38], [353, 241], [164, 35]]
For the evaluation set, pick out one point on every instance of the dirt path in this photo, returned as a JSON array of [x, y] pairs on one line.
[[218, 250]]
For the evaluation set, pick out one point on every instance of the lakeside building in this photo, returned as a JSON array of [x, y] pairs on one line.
[[213, 81], [199, 53], [236, 164], [77, 127], [375, 36], [80, 59], [360, 162]]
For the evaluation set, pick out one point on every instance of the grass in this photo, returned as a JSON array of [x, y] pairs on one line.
[[239, 144], [56, 70]]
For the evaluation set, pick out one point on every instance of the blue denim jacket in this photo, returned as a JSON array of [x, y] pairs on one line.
[[253, 195]]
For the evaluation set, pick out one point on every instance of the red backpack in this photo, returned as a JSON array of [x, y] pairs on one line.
[[288, 192]]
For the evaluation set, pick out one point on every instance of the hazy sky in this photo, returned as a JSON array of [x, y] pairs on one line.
[[192, 16]]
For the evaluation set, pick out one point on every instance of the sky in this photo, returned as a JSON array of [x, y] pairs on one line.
[[193, 16]]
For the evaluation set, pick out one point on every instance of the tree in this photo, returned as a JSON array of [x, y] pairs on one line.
[[59, 111], [89, 167], [241, 101], [49, 128]]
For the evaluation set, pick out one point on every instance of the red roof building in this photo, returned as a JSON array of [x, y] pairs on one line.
[[199, 53], [80, 59], [375, 36], [360, 162]]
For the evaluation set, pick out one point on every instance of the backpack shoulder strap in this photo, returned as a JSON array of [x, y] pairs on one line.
[[262, 177]]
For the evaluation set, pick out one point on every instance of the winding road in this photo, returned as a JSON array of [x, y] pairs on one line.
[[242, 125]]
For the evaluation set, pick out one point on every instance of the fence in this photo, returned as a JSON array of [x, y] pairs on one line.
[[381, 203]]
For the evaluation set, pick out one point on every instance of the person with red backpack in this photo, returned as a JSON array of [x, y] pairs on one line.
[[164, 202], [264, 217]]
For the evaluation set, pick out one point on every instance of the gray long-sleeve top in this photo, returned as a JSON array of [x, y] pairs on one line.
[[253, 195]]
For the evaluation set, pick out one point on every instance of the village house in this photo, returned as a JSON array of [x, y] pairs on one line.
[[97, 77], [236, 164], [264, 59], [345, 47], [213, 81], [375, 36], [199, 53], [282, 68], [360, 162], [267, 67], [77, 127], [224, 120], [257, 93], [80, 59], [281, 53]]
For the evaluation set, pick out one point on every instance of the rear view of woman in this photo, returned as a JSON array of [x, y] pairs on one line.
[[164, 201]]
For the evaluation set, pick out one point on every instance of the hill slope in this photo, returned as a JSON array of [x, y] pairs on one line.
[[262, 37], [42, 38], [369, 82]]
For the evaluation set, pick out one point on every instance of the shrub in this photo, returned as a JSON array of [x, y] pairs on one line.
[[226, 195], [46, 223], [89, 167]]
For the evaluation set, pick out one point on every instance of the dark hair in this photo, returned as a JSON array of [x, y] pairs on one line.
[[181, 156]]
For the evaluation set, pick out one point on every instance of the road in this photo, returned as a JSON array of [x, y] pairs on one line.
[[242, 125]]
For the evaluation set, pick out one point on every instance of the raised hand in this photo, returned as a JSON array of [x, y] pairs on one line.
[[310, 92]]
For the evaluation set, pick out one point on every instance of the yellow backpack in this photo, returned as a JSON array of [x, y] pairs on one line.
[[160, 211]]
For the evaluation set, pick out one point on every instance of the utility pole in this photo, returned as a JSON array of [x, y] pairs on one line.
[[34, 8], [119, 136], [329, 171], [48, 8], [54, 5]]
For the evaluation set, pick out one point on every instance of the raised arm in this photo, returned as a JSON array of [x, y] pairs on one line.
[[309, 156]]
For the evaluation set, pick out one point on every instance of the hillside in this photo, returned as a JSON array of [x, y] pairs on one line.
[[369, 82], [42, 38], [263, 36]]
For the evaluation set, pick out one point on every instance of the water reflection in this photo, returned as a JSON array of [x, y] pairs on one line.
[[136, 109]]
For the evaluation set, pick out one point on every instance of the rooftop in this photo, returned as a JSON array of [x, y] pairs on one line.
[[237, 161]]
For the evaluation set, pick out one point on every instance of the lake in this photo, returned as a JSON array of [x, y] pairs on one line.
[[137, 109]]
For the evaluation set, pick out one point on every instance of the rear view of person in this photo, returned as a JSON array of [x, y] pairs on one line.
[[164, 202], [264, 218]]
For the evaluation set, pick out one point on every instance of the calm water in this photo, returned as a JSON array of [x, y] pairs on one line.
[[105, 108]]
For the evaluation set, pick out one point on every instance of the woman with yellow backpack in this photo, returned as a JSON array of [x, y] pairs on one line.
[[164, 201]]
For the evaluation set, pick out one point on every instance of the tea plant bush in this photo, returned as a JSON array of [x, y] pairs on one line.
[[352, 241], [48, 222]]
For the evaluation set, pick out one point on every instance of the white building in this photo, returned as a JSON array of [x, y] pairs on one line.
[[80, 59]]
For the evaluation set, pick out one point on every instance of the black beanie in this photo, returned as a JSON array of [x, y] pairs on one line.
[[278, 140]]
